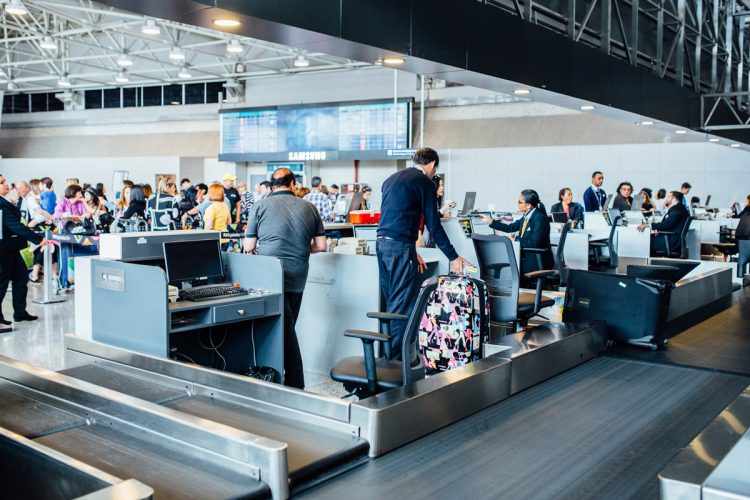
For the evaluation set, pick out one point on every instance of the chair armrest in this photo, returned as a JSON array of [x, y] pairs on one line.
[[665, 232], [535, 250], [386, 316], [366, 335], [542, 274]]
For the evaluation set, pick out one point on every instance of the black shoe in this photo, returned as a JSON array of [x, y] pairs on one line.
[[4, 321], [25, 317]]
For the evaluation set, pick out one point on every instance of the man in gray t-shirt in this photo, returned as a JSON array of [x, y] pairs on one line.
[[284, 226]]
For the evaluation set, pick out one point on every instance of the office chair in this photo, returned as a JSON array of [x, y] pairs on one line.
[[682, 253], [498, 268], [597, 246], [367, 375], [560, 265]]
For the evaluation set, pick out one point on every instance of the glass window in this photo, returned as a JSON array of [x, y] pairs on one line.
[[112, 98], [21, 103], [129, 97], [38, 102], [151, 96], [93, 99], [8, 104], [53, 103], [195, 93], [213, 90], [173, 95]]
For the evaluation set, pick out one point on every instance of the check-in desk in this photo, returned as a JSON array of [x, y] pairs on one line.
[[709, 230], [121, 300]]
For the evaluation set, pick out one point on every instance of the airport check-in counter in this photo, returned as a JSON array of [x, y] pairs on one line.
[[122, 300]]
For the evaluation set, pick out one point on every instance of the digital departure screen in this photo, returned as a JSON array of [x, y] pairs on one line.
[[363, 130]]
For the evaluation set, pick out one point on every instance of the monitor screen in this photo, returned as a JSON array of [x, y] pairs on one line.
[[469, 201], [193, 260], [560, 217]]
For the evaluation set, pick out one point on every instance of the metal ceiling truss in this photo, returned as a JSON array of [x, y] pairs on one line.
[[698, 43], [90, 38], [725, 111]]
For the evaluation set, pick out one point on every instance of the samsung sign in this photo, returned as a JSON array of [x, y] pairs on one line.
[[307, 155]]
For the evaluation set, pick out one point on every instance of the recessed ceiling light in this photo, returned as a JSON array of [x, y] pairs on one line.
[[226, 23], [185, 73], [175, 103], [16, 8], [713, 139], [522, 91], [680, 131], [150, 28], [235, 47], [734, 145], [379, 62], [647, 123], [393, 61], [63, 82], [176, 54], [301, 62], [48, 43], [122, 77], [12, 85], [587, 107], [124, 61]]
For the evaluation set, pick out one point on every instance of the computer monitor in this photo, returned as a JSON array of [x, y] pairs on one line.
[[708, 201], [357, 200], [469, 200], [560, 217], [187, 261], [638, 201]]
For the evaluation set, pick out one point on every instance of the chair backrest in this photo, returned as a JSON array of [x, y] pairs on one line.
[[411, 372], [613, 257], [683, 238], [499, 269], [561, 246]]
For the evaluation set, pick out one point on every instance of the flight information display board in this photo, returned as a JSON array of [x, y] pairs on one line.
[[360, 130]]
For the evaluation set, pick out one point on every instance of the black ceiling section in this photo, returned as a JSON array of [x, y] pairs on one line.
[[463, 41]]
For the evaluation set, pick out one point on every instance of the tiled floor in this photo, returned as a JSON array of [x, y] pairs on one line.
[[40, 342]]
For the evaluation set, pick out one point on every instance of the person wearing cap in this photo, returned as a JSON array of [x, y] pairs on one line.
[[232, 196]]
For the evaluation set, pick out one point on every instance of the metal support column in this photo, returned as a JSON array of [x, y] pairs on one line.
[[572, 19], [728, 42], [715, 47], [634, 18], [679, 60], [697, 76], [659, 60], [421, 111], [605, 7], [50, 290]]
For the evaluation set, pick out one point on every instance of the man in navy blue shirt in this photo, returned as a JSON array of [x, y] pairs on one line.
[[594, 198], [409, 199]]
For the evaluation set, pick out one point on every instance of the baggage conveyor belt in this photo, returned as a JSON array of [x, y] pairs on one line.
[[602, 430]]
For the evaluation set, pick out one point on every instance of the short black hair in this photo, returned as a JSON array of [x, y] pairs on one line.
[[562, 193], [531, 197], [47, 182], [678, 196], [266, 184], [624, 183], [661, 194], [316, 182], [334, 186], [647, 191], [72, 190], [686, 185], [202, 187], [184, 180], [597, 173], [425, 156], [695, 199]]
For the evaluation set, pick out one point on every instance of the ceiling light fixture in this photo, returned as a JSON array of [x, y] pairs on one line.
[[235, 47], [124, 60], [64, 82], [150, 28], [122, 77], [522, 92], [239, 68], [379, 62], [587, 107], [735, 145], [393, 61], [680, 131], [48, 43], [647, 123], [16, 8], [184, 73], [176, 54], [226, 23], [301, 62], [713, 139]]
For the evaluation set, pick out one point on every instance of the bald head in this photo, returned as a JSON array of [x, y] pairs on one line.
[[283, 180]]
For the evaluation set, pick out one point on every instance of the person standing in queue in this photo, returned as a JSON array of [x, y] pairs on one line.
[[409, 197], [16, 237], [290, 228]]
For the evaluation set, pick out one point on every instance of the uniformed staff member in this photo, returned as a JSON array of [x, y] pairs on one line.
[[409, 197], [672, 223], [15, 237]]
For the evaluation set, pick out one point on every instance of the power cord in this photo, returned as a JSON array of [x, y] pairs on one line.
[[252, 339], [216, 349]]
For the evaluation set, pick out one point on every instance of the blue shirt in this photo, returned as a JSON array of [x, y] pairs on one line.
[[408, 197], [48, 201]]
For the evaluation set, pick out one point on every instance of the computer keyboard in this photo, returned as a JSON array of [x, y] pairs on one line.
[[211, 292]]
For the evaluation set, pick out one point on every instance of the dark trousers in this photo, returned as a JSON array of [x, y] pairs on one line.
[[293, 374], [13, 269], [399, 284]]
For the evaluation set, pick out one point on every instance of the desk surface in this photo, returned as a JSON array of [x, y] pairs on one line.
[[187, 305]]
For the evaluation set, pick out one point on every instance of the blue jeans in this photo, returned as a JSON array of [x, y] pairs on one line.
[[399, 284]]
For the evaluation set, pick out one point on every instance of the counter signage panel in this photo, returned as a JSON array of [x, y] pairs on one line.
[[363, 130]]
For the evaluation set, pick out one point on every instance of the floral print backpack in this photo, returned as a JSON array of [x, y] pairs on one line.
[[455, 324]]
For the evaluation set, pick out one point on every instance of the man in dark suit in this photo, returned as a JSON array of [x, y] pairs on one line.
[[594, 198], [673, 223], [15, 237], [533, 233]]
